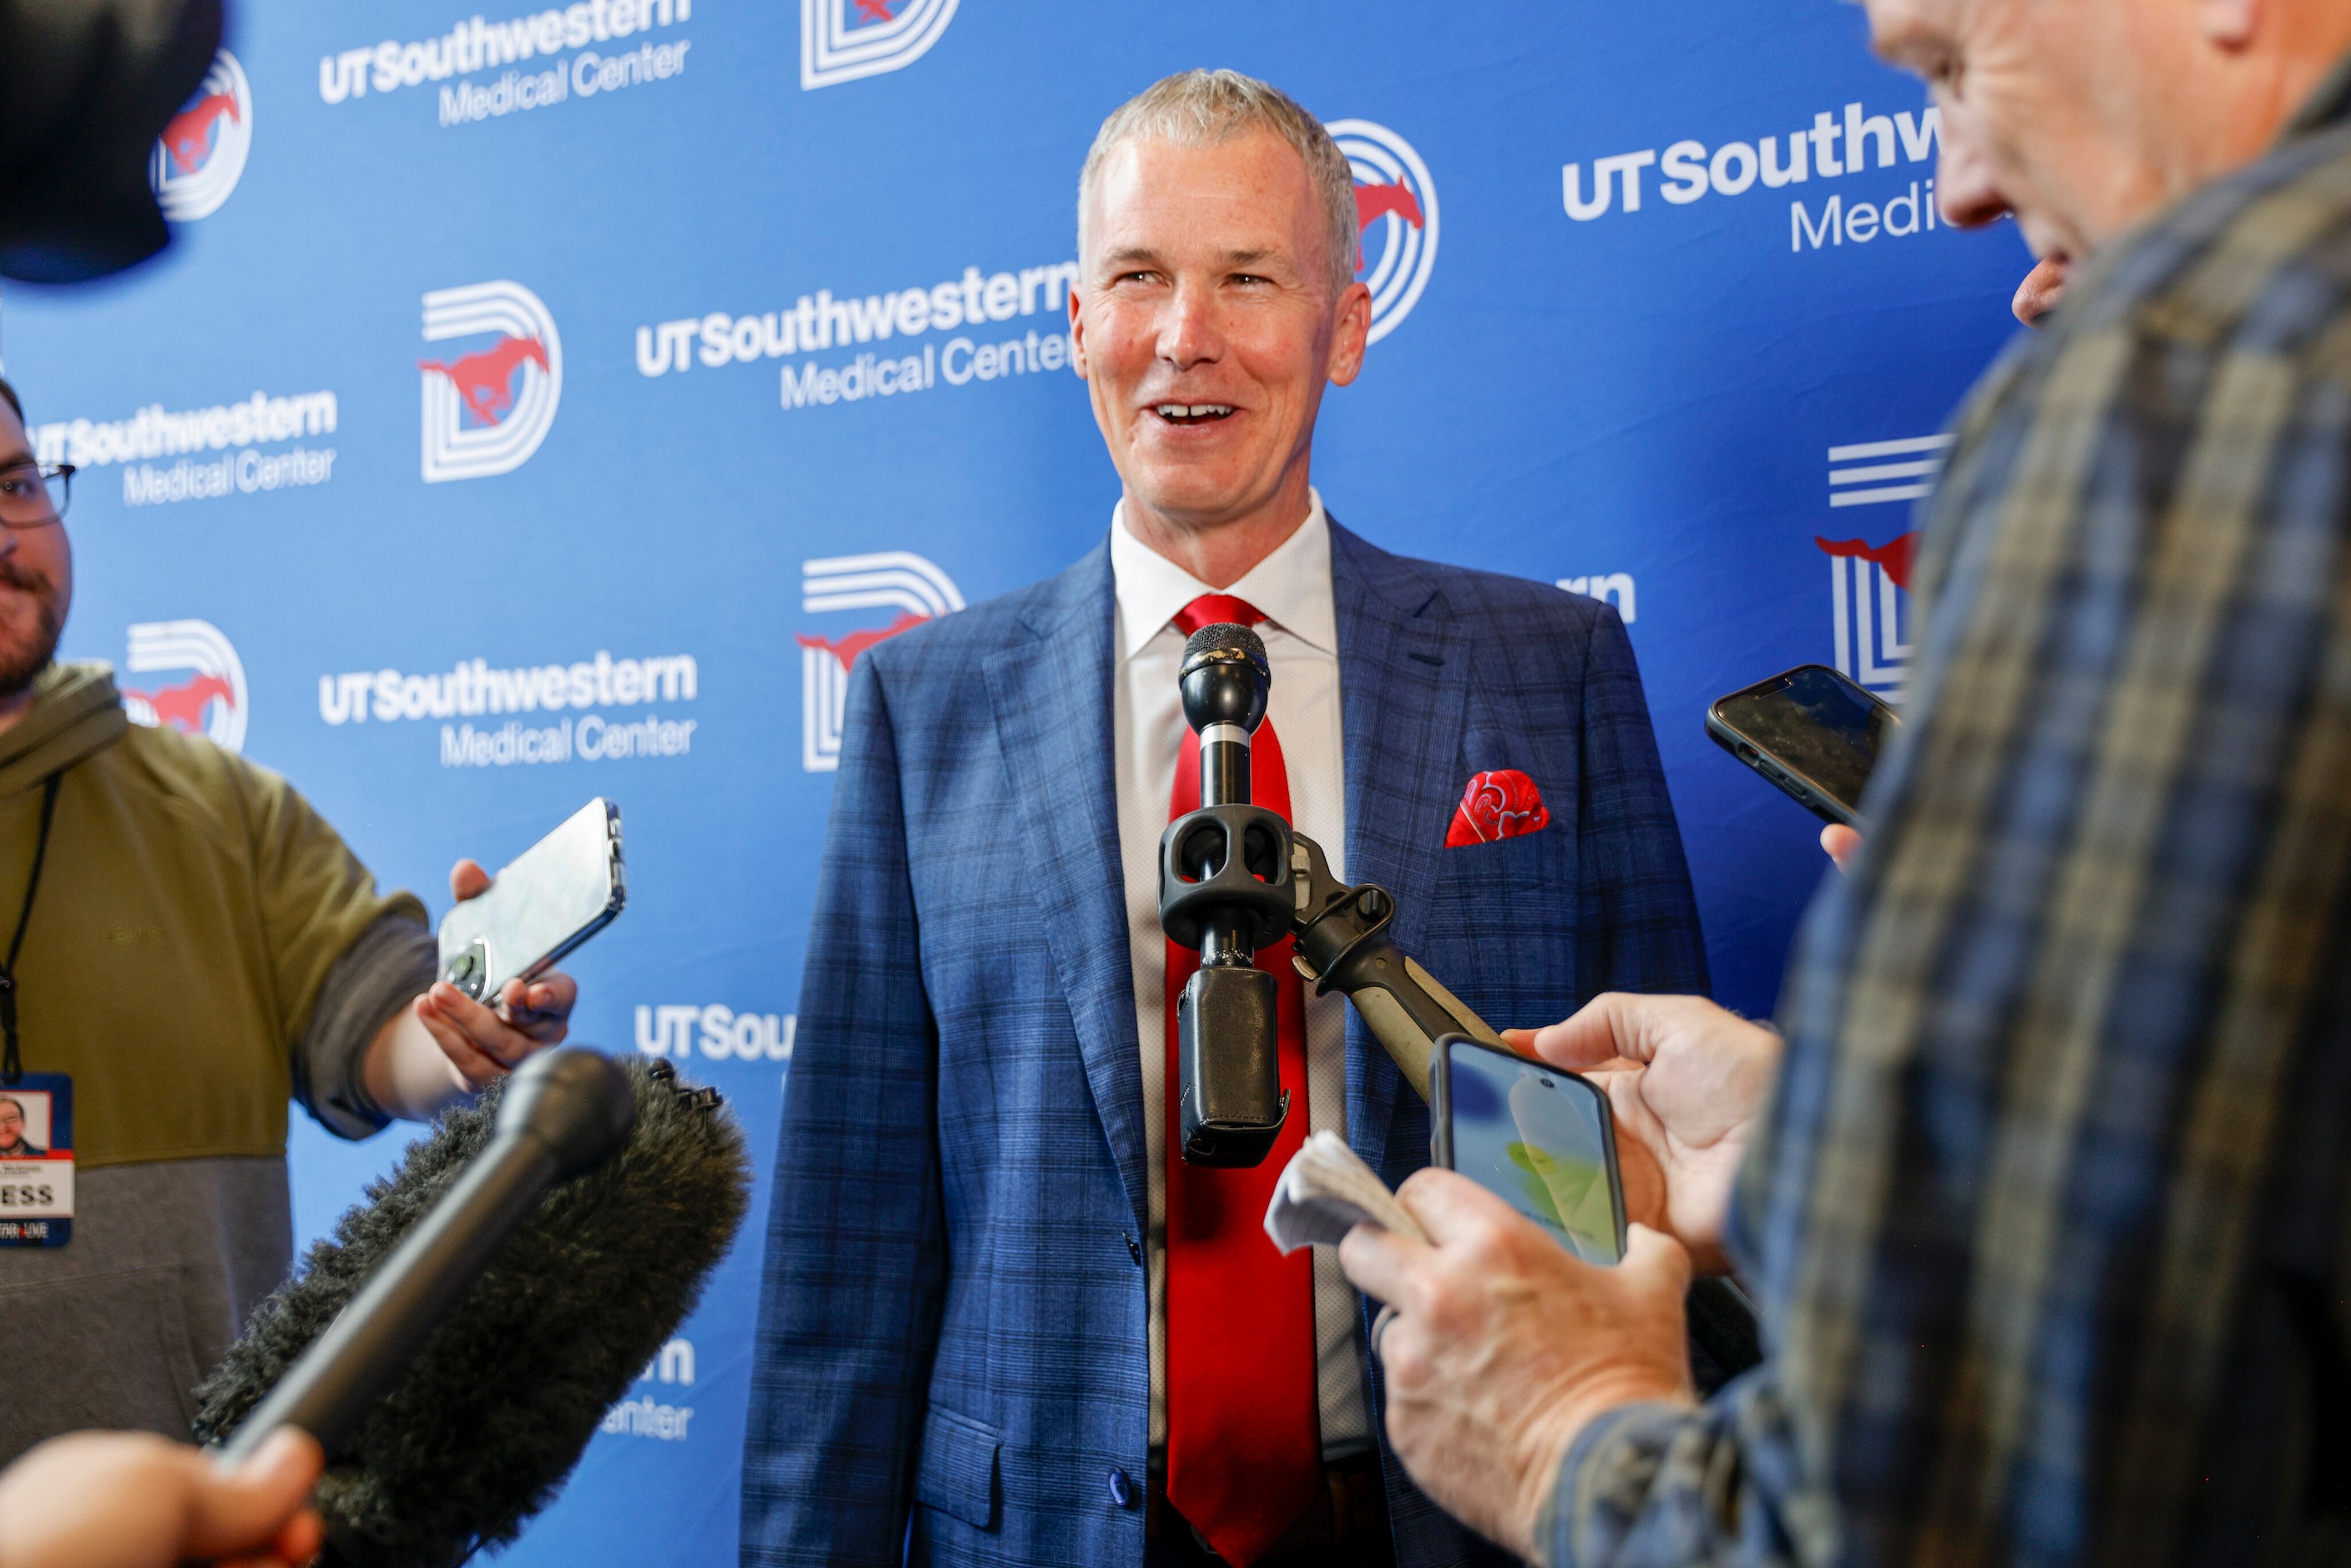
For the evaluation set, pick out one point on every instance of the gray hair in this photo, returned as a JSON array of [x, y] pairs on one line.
[[1203, 108]]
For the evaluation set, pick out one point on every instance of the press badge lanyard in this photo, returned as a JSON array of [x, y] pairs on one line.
[[12, 1065]]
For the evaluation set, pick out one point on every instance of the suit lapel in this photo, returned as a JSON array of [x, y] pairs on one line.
[[1404, 683], [1052, 702]]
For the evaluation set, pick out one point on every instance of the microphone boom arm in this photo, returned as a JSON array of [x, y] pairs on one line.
[[1247, 866], [1281, 882], [1235, 878], [1344, 944]]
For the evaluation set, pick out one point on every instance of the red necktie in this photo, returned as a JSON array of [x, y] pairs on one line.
[[1244, 1434]]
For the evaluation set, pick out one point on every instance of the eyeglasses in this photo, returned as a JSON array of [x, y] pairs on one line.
[[32, 495]]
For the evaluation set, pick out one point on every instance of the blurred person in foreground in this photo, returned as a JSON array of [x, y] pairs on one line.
[[183, 937], [130, 1500], [2049, 1202]]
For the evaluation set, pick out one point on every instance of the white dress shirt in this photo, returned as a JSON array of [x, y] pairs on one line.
[[1291, 587]]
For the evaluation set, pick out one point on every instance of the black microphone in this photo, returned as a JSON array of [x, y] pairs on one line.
[[1224, 889], [455, 1343], [86, 88], [567, 1112]]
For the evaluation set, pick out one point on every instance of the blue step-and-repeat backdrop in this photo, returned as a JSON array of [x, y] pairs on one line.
[[544, 404]]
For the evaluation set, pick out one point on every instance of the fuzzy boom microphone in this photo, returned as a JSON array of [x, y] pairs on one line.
[[478, 1429]]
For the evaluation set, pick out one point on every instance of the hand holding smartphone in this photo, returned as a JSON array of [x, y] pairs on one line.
[[545, 902], [1542, 1140], [1811, 731]]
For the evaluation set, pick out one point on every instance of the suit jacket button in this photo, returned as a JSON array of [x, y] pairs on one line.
[[1121, 1487]]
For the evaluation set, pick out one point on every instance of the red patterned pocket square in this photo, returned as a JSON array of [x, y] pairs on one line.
[[1498, 805]]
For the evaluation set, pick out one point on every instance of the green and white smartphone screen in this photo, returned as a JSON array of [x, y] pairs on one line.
[[1541, 1140]]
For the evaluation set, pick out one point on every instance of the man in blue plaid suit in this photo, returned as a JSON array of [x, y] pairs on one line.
[[965, 1330]]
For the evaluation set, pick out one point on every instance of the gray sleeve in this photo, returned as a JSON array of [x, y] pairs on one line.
[[391, 962]]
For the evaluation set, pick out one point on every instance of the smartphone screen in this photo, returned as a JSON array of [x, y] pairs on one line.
[[1541, 1139], [1815, 721]]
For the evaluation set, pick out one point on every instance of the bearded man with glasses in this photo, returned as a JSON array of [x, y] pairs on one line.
[[185, 945], [34, 494], [35, 562]]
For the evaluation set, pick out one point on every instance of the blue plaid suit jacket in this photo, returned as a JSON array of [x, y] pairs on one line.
[[952, 1354]]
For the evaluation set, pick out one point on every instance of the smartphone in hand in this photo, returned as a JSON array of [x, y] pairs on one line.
[[549, 900], [1541, 1140], [1810, 730]]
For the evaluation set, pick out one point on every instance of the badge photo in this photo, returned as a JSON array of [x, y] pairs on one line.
[[37, 1162]]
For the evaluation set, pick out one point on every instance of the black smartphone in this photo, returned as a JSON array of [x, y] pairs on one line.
[[1541, 1140], [1811, 731]]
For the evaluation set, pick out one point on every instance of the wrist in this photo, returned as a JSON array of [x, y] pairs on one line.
[[378, 1076], [408, 1072], [1546, 1442]]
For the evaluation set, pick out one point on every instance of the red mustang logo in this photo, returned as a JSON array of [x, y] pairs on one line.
[[1894, 555], [874, 11], [1379, 201], [183, 706], [189, 137], [856, 643], [486, 380]]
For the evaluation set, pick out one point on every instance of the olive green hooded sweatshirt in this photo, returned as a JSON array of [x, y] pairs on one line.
[[190, 910]]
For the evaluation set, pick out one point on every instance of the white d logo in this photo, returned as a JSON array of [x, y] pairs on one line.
[[1396, 201], [487, 411]]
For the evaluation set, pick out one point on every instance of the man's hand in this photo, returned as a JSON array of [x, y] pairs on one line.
[[1842, 843], [128, 1499], [1686, 1079], [478, 1042], [1505, 1345], [2043, 288], [444, 1044]]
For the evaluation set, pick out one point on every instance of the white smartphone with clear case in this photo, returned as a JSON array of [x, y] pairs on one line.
[[544, 903]]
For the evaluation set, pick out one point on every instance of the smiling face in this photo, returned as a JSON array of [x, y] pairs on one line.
[[35, 583], [12, 1124], [1206, 329]]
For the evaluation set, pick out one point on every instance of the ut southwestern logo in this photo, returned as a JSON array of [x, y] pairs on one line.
[[1869, 585], [209, 701], [1395, 201], [486, 410], [841, 40], [888, 580], [197, 162], [725, 1034]]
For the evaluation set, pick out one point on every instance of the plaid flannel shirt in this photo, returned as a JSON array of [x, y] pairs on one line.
[[2049, 1217]]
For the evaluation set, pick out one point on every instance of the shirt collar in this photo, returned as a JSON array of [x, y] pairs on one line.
[[1291, 586]]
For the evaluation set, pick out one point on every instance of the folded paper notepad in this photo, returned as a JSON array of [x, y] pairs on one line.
[[1327, 1190]]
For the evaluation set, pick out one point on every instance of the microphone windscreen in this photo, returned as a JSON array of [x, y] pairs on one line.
[[1224, 677], [481, 1430], [1229, 638]]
